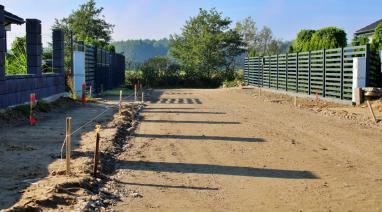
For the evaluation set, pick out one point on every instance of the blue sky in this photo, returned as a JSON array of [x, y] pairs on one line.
[[156, 19]]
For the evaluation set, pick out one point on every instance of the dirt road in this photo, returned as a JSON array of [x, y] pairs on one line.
[[227, 150]]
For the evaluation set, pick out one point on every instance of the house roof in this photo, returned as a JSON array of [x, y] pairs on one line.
[[368, 28], [12, 19]]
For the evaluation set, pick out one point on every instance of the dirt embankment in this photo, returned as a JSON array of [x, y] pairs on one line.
[[359, 114], [33, 173]]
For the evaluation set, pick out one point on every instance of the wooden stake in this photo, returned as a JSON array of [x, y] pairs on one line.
[[371, 111], [120, 102], [135, 92], [259, 91], [295, 101], [96, 154], [90, 92], [132, 111], [143, 97], [68, 140]]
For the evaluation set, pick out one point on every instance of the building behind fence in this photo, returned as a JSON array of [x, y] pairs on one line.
[[16, 89], [329, 73]]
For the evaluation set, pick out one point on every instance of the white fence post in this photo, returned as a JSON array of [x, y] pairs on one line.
[[359, 75]]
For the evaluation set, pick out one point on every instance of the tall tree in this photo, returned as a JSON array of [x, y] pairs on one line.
[[206, 44], [264, 40], [87, 24], [247, 29]]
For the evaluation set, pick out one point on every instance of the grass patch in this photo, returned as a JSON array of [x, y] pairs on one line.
[[115, 92], [22, 111]]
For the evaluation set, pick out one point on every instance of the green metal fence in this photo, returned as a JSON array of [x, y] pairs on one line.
[[328, 72]]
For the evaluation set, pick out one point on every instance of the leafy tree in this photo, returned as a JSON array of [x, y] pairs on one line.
[[328, 38], [252, 52], [16, 61], [159, 71], [290, 49], [325, 38], [377, 37], [247, 29], [138, 51], [232, 44], [375, 59], [360, 40], [302, 42], [206, 45], [264, 39], [87, 24]]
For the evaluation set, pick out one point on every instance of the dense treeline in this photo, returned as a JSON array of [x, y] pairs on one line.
[[138, 51]]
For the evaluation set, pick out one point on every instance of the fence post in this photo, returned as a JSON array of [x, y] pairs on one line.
[[309, 72], [261, 69], [324, 75], [2, 44], [367, 54], [269, 72], [34, 46], [68, 141], [359, 75], [342, 74], [286, 71], [297, 72], [277, 71], [58, 51]]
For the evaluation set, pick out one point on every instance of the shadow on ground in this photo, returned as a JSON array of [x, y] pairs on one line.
[[190, 122], [197, 137], [215, 169]]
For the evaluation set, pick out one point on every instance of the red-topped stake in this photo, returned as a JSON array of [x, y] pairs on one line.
[[83, 93], [32, 114]]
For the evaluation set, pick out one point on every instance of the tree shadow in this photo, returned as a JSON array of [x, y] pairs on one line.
[[184, 112], [216, 169], [169, 108], [191, 122], [197, 137], [168, 186]]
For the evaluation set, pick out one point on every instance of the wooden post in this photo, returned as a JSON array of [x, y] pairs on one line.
[[259, 91], [96, 154], [132, 111], [135, 92], [295, 101], [120, 102], [371, 111], [143, 95], [68, 140], [90, 92]]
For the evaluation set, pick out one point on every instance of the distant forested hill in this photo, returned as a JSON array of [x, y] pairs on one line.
[[138, 51]]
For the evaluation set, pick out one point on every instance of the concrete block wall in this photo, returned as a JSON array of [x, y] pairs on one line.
[[16, 89], [2, 44]]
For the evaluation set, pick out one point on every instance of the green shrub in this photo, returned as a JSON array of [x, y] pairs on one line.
[[325, 38], [328, 38], [133, 77], [302, 42]]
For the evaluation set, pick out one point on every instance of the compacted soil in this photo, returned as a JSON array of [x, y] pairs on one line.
[[197, 150], [233, 150]]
